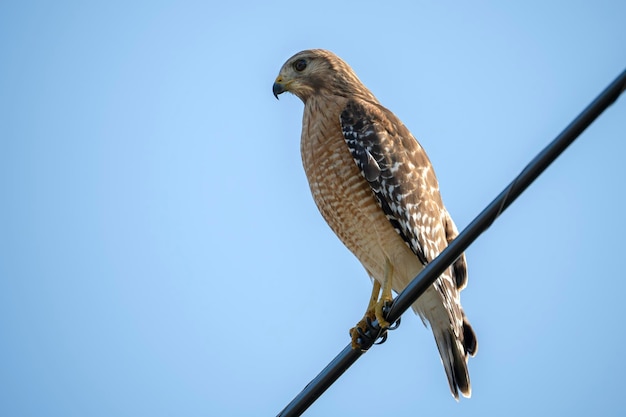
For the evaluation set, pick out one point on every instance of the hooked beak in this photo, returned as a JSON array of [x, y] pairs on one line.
[[278, 87]]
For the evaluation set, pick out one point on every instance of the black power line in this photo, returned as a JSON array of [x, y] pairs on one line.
[[429, 274]]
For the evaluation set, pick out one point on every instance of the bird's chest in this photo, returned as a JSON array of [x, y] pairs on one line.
[[341, 193], [339, 189]]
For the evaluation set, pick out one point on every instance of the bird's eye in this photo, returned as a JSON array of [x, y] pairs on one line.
[[299, 65]]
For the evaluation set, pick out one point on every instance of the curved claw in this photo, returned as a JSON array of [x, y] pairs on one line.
[[381, 332], [386, 309], [362, 334], [365, 340], [368, 333], [395, 325]]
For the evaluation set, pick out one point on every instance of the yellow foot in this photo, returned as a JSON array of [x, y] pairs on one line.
[[375, 313], [360, 328], [379, 311]]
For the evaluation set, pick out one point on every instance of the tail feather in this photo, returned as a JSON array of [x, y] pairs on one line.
[[455, 338], [469, 338], [454, 359]]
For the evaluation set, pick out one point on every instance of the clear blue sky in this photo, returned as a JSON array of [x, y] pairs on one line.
[[160, 253]]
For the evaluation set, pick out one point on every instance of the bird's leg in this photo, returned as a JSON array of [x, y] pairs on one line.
[[385, 297], [375, 310], [370, 315]]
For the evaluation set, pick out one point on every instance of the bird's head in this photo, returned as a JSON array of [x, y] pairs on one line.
[[317, 71]]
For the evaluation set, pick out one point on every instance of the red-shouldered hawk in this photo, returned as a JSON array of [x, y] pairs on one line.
[[377, 190]]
